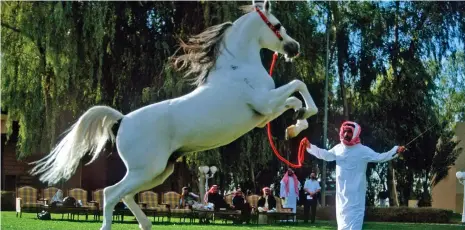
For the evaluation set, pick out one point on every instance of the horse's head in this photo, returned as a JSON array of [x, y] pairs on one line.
[[272, 35], [259, 28]]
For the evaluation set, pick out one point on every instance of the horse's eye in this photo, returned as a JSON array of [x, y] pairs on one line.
[[278, 26]]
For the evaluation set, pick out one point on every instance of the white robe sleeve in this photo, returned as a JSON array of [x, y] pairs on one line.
[[372, 156], [322, 153], [282, 190]]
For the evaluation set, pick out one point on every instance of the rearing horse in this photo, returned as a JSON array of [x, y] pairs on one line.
[[234, 95]]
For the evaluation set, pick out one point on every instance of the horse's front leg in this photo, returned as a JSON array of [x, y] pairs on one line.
[[290, 103], [267, 103], [278, 101], [279, 95], [293, 130]]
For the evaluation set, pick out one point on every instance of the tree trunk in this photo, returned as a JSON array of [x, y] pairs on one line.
[[393, 200], [340, 36], [395, 48], [252, 172], [426, 193]]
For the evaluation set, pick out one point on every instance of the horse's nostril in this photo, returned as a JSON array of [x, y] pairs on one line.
[[291, 48]]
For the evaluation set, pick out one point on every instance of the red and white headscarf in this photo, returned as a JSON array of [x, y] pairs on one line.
[[264, 191], [213, 189], [286, 182], [356, 129]]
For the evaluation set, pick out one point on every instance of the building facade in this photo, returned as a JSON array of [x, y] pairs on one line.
[[448, 193]]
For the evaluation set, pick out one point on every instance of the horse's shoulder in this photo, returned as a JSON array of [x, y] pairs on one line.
[[246, 76], [252, 69], [254, 73]]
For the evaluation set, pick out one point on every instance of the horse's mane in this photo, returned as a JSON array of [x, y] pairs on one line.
[[200, 52]]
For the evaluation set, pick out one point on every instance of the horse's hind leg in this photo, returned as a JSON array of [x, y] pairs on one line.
[[144, 222], [134, 179]]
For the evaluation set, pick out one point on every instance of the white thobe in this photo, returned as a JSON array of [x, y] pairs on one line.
[[291, 196], [351, 185], [384, 202]]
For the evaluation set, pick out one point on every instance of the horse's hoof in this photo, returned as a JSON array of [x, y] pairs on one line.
[[299, 114], [145, 226], [290, 132]]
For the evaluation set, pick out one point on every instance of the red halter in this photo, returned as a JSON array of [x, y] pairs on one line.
[[268, 23], [304, 142]]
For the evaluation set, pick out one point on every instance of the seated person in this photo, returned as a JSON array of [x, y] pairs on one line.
[[267, 201], [188, 198], [214, 197], [240, 203], [57, 199]]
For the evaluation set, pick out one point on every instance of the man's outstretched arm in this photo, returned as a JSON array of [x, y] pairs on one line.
[[321, 153], [372, 156]]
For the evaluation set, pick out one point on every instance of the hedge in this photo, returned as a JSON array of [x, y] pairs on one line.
[[406, 214], [391, 214]]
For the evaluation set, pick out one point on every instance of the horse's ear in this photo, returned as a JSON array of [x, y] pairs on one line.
[[267, 6], [264, 5], [258, 3]]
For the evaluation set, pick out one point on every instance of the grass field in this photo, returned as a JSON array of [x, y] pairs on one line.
[[30, 222]]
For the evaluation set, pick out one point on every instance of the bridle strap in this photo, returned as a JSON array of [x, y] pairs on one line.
[[268, 23]]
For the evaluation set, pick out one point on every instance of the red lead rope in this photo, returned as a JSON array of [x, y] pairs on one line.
[[303, 142]]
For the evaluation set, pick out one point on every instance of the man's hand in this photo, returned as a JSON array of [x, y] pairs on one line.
[[307, 143], [400, 151]]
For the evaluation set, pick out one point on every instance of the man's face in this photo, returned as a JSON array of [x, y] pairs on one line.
[[267, 191], [312, 175], [215, 189], [348, 134], [290, 172]]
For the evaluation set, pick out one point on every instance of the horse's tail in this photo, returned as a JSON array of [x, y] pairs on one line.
[[87, 136]]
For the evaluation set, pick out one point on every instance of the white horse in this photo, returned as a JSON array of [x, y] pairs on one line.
[[235, 94]]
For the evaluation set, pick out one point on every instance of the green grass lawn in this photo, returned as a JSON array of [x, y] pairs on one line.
[[29, 221]]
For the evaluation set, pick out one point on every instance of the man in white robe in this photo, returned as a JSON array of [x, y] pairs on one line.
[[351, 164], [290, 190]]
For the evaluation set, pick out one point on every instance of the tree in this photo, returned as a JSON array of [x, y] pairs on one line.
[[445, 156], [387, 58]]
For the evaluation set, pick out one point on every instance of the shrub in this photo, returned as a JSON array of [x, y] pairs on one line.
[[391, 214], [8, 201], [406, 214]]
